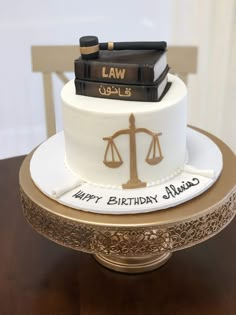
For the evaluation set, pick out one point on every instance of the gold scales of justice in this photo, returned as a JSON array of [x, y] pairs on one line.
[[112, 157], [139, 242]]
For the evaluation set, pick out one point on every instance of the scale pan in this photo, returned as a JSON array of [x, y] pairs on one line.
[[154, 161], [113, 164]]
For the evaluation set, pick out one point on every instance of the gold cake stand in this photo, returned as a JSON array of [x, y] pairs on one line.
[[134, 243]]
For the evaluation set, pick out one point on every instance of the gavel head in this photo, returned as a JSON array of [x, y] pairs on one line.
[[89, 47]]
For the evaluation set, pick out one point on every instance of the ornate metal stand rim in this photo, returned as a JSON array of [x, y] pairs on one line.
[[130, 241]]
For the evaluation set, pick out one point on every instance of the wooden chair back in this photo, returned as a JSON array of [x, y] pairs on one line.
[[57, 60]]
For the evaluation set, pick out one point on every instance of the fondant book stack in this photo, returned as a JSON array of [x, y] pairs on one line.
[[137, 75]]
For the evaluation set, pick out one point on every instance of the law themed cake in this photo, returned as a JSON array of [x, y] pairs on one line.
[[126, 147]]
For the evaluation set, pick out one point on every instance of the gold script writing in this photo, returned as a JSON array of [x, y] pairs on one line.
[[113, 73], [112, 90]]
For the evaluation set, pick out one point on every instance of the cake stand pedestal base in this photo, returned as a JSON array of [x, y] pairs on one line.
[[133, 264]]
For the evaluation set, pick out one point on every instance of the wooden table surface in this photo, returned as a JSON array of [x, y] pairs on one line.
[[38, 276]]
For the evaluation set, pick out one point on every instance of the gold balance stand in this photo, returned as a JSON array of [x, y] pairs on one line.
[[134, 243]]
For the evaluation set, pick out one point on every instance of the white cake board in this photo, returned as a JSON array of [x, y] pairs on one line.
[[48, 171]]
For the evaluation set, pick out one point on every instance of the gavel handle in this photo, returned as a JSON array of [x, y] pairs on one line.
[[133, 46]]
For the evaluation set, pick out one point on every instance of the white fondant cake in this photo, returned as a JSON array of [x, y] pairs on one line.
[[112, 144], [129, 144]]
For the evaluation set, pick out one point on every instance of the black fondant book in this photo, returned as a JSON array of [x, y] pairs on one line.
[[132, 92], [124, 67]]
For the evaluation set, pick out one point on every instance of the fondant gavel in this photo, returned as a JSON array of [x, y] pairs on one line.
[[89, 46]]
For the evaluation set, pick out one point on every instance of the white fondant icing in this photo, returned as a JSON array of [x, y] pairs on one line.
[[154, 183], [66, 187], [193, 170], [88, 120]]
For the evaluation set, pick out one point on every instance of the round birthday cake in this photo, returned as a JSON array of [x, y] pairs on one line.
[[125, 144]]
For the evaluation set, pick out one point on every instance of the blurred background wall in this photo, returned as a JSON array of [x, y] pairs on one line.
[[208, 24]]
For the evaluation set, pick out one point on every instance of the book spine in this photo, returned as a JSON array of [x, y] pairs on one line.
[[115, 73], [148, 93]]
